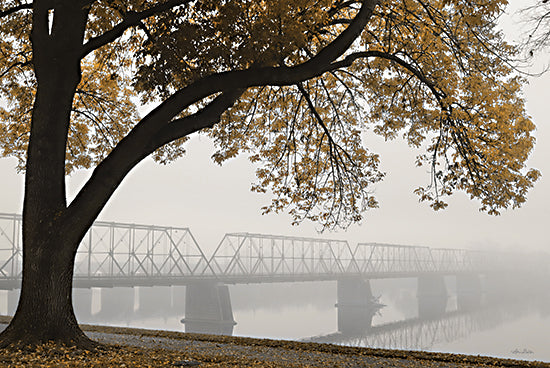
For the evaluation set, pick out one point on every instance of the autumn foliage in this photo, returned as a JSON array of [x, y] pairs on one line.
[[435, 73], [293, 84]]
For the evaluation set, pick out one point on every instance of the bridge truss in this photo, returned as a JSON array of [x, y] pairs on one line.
[[271, 258], [114, 254], [389, 259], [132, 255]]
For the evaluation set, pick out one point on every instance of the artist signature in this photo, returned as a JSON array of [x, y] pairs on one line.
[[522, 351]]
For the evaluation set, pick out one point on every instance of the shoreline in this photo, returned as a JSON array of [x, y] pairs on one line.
[[269, 352]]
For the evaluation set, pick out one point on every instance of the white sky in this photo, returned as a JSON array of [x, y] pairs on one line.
[[211, 200]]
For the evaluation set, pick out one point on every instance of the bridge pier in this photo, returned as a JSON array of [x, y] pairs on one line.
[[117, 301], [355, 306], [178, 298], [208, 308], [13, 299], [432, 296], [468, 291], [505, 287], [82, 303], [154, 300]]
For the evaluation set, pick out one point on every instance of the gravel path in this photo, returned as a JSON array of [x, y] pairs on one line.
[[262, 353], [287, 353], [290, 353]]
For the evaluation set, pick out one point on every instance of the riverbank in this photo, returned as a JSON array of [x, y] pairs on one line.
[[130, 347]]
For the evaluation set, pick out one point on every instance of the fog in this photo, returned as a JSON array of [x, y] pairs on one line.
[[211, 201], [513, 324]]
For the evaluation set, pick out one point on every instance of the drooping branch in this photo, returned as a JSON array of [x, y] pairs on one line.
[[350, 59], [333, 146], [537, 20]]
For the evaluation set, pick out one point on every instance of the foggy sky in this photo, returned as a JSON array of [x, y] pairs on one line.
[[211, 200]]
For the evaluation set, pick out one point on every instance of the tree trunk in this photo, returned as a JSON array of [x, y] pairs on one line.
[[45, 311]]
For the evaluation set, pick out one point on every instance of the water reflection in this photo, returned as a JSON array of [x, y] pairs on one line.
[[422, 333], [506, 327], [487, 325]]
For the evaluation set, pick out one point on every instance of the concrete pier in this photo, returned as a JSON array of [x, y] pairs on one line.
[[13, 299], [82, 304], [178, 298], [355, 306], [208, 309], [432, 296], [468, 291]]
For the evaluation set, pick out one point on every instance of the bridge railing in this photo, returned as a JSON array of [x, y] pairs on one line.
[[398, 259], [257, 255], [454, 260], [393, 259], [112, 249], [128, 250]]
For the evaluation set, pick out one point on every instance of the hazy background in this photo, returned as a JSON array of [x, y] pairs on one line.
[[211, 200]]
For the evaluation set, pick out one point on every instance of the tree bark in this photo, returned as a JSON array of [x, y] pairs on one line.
[[45, 311]]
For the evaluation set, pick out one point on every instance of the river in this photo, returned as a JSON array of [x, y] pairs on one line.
[[515, 327]]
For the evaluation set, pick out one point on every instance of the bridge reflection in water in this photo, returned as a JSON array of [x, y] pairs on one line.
[[422, 333]]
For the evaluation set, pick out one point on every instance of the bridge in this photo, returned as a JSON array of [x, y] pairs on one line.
[[129, 255], [118, 254]]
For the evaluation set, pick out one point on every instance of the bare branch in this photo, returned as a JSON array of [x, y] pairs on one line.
[[14, 65]]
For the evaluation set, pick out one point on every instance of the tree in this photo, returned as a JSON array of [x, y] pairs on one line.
[[537, 18], [293, 84]]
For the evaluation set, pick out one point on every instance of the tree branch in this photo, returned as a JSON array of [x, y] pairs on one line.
[[132, 149], [131, 19], [14, 65], [205, 118], [4, 13], [139, 143], [348, 61], [261, 76]]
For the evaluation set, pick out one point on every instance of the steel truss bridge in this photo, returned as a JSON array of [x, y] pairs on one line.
[[423, 334], [117, 254]]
